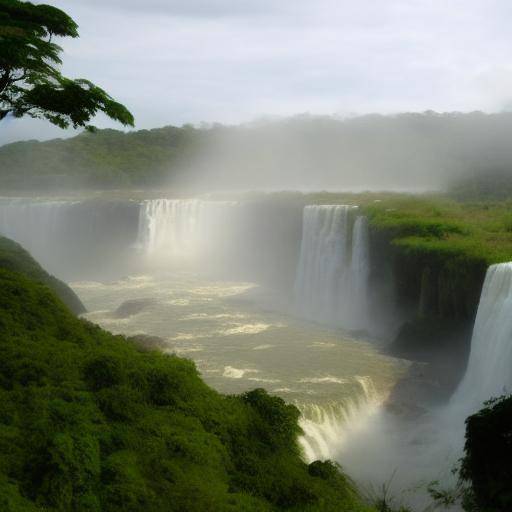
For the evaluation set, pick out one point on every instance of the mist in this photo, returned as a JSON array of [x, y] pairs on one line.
[[407, 152], [413, 152]]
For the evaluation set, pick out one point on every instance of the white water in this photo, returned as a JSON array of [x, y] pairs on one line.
[[35, 225], [332, 275], [327, 426], [489, 372], [181, 229], [73, 238], [360, 271], [238, 344], [31, 223]]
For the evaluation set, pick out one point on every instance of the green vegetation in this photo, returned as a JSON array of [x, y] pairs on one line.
[[486, 465], [105, 159], [91, 422], [437, 224], [441, 250], [14, 258], [426, 151], [484, 472], [30, 82]]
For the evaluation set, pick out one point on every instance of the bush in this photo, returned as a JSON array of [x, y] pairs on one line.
[[488, 454]]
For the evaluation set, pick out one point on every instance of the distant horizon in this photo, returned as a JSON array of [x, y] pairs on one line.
[[55, 133]]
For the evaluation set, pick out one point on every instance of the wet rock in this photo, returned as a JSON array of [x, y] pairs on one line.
[[132, 307]]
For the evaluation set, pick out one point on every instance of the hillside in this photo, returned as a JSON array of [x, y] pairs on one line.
[[426, 151], [91, 422], [14, 258]]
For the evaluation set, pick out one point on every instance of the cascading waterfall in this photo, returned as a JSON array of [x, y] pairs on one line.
[[31, 223], [34, 224], [72, 239], [332, 275], [326, 426], [360, 271], [489, 372], [168, 225], [181, 228]]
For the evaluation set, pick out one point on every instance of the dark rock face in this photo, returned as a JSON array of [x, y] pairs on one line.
[[133, 307]]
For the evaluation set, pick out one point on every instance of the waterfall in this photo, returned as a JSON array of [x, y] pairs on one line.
[[489, 372], [34, 224], [360, 271], [72, 239], [326, 426], [184, 229], [332, 275], [169, 225]]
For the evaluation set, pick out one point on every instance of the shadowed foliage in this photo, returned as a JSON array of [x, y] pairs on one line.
[[488, 454]]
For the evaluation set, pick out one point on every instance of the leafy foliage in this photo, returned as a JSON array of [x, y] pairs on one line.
[[105, 159], [30, 82], [488, 454], [90, 422], [14, 257]]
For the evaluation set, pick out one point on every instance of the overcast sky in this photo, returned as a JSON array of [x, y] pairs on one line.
[[192, 61]]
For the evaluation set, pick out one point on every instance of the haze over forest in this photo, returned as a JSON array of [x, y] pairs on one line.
[[407, 152]]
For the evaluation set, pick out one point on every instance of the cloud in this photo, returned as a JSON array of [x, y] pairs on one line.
[[199, 8], [182, 61]]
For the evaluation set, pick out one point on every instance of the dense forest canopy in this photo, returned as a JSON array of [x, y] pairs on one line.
[[408, 151]]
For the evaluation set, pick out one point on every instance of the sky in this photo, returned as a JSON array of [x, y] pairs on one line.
[[232, 61]]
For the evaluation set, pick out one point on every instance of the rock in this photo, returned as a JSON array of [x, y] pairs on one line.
[[148, 342], [132, 307]]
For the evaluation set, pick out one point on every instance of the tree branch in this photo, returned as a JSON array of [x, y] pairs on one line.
[[5, 79]]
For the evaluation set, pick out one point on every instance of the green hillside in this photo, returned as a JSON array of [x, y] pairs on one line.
[[91, 422], [14, 258]]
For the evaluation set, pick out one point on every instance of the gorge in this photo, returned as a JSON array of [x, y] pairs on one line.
[[207, 271]]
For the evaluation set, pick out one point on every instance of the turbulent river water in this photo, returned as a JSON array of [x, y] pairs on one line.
[[238, 344]]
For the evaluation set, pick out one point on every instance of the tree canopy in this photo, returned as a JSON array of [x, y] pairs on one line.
[[30, 81]]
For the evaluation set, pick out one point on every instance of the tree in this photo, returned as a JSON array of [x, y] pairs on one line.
[[30, 82]]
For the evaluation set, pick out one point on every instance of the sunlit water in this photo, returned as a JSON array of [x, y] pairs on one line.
[[336, 381]]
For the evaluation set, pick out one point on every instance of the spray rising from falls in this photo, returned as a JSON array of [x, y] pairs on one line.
[[489, 372], [332, 275]]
